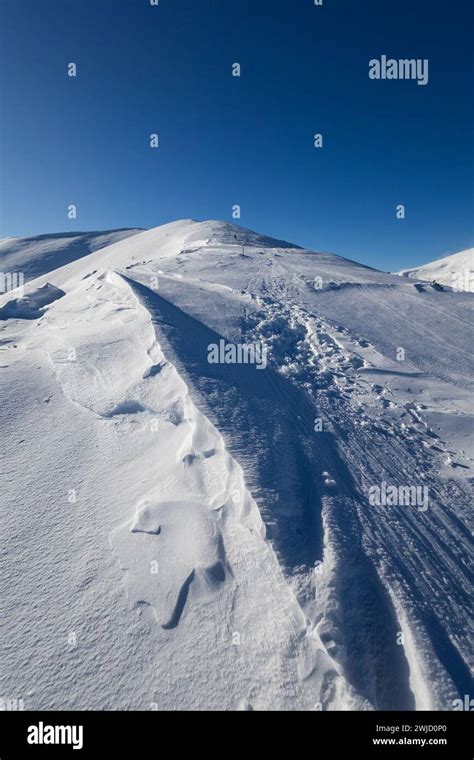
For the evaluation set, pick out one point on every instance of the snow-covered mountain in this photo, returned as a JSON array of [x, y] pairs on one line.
[[192, 525], [36, 255], [456, 271]]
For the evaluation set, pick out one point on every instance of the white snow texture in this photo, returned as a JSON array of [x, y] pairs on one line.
[[183, 534]]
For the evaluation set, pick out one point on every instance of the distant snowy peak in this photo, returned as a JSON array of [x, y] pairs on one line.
[[37, 255], [456, 271]]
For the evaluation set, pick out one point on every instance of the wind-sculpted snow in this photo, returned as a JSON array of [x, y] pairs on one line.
[[189, 552], [289, 535], [33, 305]]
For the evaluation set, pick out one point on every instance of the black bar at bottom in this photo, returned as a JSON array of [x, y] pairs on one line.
[[129, 734]]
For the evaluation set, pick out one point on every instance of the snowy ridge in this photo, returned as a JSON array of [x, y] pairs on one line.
[[222, 520], [34, 256]]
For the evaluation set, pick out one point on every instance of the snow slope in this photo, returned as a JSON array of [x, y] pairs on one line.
[[456, 271], [181, 534], [34, 256]]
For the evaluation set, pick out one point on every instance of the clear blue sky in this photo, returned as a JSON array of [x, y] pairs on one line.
[[247, 140]]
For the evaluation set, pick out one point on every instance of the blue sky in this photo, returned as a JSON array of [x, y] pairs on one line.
[[248, 140]]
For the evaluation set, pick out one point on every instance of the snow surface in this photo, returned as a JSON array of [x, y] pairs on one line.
[[187, 535], [455, 271]]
